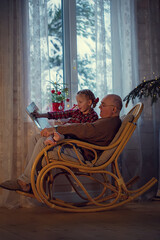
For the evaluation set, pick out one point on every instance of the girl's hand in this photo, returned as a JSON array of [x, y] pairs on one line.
[[36, 114]]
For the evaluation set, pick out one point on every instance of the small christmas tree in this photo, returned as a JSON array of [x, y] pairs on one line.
[[148, 88]]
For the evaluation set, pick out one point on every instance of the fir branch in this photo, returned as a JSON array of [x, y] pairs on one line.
[[149, 88]]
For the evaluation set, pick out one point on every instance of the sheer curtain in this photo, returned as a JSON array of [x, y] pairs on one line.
[[39, 73], [13, 88], [23, 59], [124, 68], [125, 75], [123, 45]]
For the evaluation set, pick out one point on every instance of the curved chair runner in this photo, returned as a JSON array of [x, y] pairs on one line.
[[112, 191]]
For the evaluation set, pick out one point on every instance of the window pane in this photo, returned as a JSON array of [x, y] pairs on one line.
[[55, 38], [93, 43], [57, 87]]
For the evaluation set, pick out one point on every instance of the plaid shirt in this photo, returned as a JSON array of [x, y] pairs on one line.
[[75, 115]]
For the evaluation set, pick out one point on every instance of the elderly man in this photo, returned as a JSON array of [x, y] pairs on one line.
[[100, 132]]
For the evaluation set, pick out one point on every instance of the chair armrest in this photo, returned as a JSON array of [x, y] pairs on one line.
[[97, 147], [89, 145]]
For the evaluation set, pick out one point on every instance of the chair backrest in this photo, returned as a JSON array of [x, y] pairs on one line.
[[136, 111], [125, 131]]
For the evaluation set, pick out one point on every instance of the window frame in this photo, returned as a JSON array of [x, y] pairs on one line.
[[70, 47]]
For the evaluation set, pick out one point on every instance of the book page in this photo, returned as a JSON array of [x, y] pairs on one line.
[[41, 123]]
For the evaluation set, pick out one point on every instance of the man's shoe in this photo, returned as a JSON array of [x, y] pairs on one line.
[[13, 185]]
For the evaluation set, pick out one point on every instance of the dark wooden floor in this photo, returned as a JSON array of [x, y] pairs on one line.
[[135, 221]]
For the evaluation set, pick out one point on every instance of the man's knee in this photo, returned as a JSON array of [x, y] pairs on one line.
[[40, 142], [52, 154], [37, 137]]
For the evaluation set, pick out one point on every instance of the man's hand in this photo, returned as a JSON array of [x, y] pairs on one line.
[[50, 141], [58, 137], [46, 132]]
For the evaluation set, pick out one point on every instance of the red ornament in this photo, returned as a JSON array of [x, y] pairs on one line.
[[67, 100], [52, 91], [59, 93]]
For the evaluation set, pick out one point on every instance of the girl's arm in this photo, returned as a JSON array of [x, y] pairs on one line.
[[61, 114]]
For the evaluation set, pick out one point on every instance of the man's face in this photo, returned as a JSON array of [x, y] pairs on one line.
[[106, 108]]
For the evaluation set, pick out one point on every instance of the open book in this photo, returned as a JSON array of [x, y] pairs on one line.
[[41, 123]]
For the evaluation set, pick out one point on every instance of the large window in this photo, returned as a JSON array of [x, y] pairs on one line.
[[78, 45]]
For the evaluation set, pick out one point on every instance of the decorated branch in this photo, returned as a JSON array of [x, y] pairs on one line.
[[148, 88], [59, 91]]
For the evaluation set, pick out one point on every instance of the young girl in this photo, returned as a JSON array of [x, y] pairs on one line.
[[86, 103]]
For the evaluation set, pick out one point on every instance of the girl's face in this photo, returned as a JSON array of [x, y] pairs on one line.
[[84, 104]]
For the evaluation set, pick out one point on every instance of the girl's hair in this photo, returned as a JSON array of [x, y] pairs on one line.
[[90, 95]]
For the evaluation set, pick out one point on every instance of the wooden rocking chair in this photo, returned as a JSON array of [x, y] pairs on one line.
[[111, 189]]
